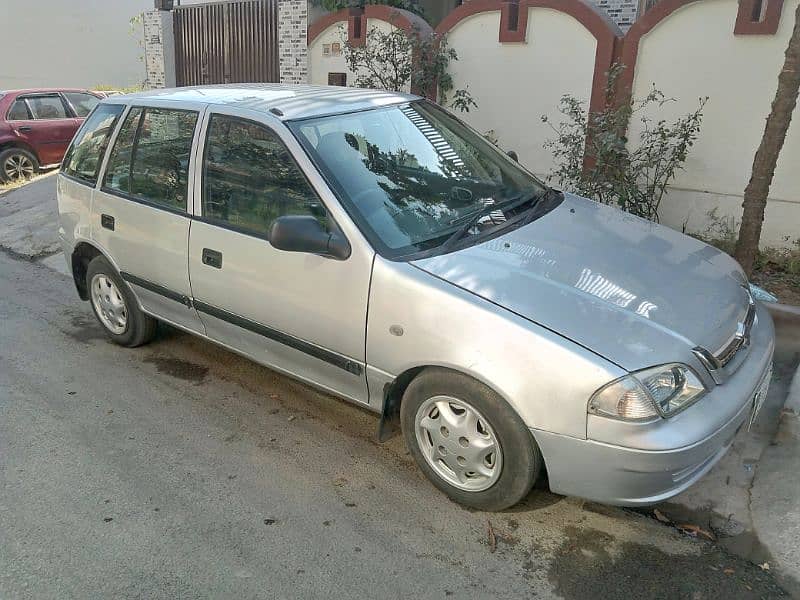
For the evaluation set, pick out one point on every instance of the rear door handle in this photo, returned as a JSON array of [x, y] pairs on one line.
[[212, 258], [107, 221]]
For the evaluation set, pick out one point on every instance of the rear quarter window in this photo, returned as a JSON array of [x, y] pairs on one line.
[[81, 102], [86, 152], [19, 111]]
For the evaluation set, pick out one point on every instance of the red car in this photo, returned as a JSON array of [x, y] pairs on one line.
[[37, 125]]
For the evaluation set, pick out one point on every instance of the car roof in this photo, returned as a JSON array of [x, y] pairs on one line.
[[284, 101], [42, 91]]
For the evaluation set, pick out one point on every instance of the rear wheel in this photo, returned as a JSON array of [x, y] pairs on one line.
[[17, 164], [468, 441], [115, 307]]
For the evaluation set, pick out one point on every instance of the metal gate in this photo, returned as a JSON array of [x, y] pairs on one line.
[[226, 42]]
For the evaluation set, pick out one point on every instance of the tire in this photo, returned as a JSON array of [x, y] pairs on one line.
[[115, 306], [517, 461], [17, 164]]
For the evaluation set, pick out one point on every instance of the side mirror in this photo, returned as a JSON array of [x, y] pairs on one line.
[[513, 155], [302, 233]]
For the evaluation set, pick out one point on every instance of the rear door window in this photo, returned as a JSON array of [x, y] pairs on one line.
[[81, 102], [19, 111], [84, 156], [47, 107], [150, 159]]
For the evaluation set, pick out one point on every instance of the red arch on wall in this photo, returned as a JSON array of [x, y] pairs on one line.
[[665, 8], [611, 45], [514, 22], [643, 25], [356, 32]]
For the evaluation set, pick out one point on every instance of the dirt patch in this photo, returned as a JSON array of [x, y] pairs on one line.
[[592, 564], [785, 286], [180, 369]]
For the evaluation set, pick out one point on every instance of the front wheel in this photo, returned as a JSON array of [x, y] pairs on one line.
[[468, 441]]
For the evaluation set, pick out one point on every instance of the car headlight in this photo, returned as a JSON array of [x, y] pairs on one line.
[[656, 392]]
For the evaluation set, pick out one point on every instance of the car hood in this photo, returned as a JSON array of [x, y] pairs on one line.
[[632, 291]]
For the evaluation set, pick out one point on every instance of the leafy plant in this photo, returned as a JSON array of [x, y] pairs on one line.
[[391, 60], [334, 5], [596, 159], [136, 29]]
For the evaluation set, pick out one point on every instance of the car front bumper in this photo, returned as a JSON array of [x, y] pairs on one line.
[[657, 461], [627, 476]]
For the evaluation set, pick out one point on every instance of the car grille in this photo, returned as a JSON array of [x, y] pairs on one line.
[[723, 363], [728, 352]]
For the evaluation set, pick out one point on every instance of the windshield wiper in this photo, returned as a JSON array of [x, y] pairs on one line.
[[473, 218], [542, 204]]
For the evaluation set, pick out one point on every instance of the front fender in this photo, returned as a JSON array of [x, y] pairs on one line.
[[416, 319]]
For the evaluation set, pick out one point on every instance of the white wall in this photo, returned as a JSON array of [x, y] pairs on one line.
[[692, 54], [320, 65], [515, 84], [77, 44]]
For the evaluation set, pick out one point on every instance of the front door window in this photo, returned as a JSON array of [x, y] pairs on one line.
[[250, 178]]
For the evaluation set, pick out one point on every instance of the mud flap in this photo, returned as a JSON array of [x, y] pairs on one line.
[[389, 425]]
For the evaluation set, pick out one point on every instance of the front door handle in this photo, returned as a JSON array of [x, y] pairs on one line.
[[212, 258], [107, 221], [25, 128]]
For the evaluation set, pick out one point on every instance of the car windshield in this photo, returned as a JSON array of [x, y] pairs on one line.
[[412, 175]]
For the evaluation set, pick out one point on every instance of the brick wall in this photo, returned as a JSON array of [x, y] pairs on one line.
[[622, 12], [292, 47], [153, 50], [159, 49]]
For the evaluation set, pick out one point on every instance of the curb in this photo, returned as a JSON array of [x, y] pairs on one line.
[[783, 311], [793, 398], [787, 328]]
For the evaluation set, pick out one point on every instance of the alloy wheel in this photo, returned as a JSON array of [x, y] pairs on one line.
[[458, 443], [109, 304], [18, 166]]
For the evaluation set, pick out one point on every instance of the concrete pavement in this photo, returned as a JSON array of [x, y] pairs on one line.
[[29, 217], [182, 470], [775, 502]]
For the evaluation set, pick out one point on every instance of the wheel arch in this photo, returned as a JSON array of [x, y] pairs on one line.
[[394, 390], [393, 397], [8, 144], [82, 254]]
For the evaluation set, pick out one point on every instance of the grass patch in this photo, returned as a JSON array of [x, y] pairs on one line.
[[129, 89], [8, 187]]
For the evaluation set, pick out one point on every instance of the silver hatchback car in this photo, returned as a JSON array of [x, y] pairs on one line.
[[373, 245]]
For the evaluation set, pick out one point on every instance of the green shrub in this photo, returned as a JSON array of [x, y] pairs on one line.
[[595, 158]]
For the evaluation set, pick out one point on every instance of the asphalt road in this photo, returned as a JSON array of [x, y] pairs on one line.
[[180, 470]]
